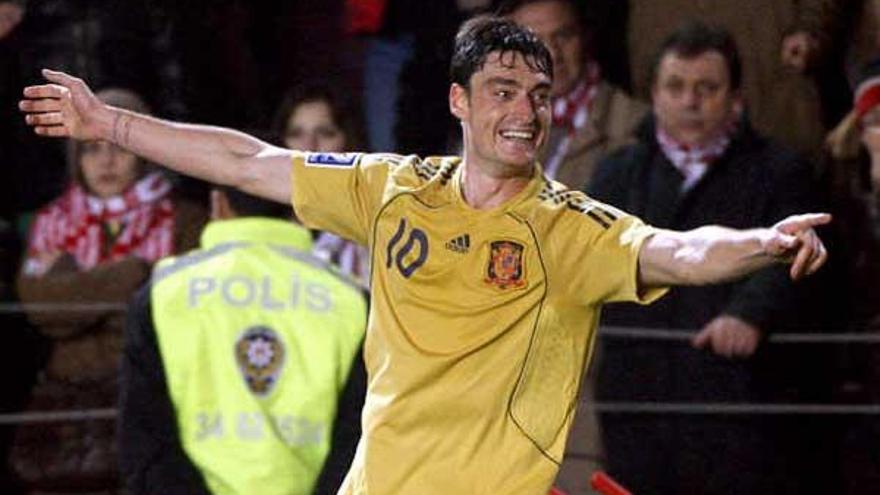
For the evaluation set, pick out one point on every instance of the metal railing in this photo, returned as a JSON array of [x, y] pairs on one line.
[[672, 335]]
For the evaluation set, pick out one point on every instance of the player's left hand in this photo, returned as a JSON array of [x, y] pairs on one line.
[[728, 336], [65, 108], [794, 240]]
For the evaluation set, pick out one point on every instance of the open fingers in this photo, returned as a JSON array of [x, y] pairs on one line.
[[42, 105], [818, 260], [799, 223], [44, 119], [45, 91], [52, 131], [801, 260], [63, 78], [810, 257], [818, 256], [57, 109]]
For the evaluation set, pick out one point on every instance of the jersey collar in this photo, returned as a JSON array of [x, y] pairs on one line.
[[531, 189]]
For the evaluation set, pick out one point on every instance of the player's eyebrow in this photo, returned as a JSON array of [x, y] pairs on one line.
[[502, 81], [541, 86]]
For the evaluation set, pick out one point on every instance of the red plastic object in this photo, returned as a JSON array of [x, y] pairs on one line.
[[605, 485]]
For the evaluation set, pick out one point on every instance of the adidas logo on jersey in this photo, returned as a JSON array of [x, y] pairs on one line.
[[460, 244]]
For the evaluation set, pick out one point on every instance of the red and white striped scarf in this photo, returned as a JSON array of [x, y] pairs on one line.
[[693, 160], [351, 258], [77, 223], [571, 111]]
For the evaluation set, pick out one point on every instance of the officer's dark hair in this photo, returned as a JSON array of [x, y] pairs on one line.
[[248, 205], [484, 34], [693, 39]]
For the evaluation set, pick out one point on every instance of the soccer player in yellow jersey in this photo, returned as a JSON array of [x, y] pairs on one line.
[[487, 278]]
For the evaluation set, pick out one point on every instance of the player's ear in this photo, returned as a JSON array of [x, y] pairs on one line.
[[458, 101]]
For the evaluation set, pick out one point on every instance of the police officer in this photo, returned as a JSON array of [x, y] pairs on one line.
[[242, 369]]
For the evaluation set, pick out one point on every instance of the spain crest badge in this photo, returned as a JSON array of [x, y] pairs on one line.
[[505, 268], [260, 356]]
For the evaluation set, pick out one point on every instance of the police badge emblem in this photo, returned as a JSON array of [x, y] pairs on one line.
[[505, 269], [260, 356]]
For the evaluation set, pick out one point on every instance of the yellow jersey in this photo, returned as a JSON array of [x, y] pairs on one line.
[[482, 321]]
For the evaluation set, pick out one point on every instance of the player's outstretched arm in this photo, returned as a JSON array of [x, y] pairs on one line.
[[717, 254], [67, 108]]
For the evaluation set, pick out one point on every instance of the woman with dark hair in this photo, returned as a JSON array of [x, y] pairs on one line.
[[318, 111], [316, 117], [93, 245]]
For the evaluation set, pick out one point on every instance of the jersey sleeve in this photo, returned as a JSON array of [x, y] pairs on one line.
[[338, 192], [602, 256]]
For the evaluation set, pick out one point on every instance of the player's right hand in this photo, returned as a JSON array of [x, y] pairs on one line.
[[66, 108], [794, 240]]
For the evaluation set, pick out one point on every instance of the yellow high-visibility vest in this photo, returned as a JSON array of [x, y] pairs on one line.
[[257, 340]]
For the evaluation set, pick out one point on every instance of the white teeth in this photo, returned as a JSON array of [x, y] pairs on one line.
[[518, 134]]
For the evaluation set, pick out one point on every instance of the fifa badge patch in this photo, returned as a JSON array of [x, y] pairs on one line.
[[260, 356], [505, 269], [331, 159]]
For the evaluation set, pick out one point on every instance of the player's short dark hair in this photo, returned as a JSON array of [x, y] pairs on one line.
[[693, 39], [248, 205], [484, 34]]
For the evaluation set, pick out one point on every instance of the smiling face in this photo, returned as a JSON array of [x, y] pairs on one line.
[[107, 170], [693, 99], [505, 114], [556, 24]]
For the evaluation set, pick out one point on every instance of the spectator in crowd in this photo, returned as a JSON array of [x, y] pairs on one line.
[[93, 245], [698, 161], [785, 45], [316, 117], [117, 43], [851, 176], [590, 117], [851, 173], [240, 358]]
